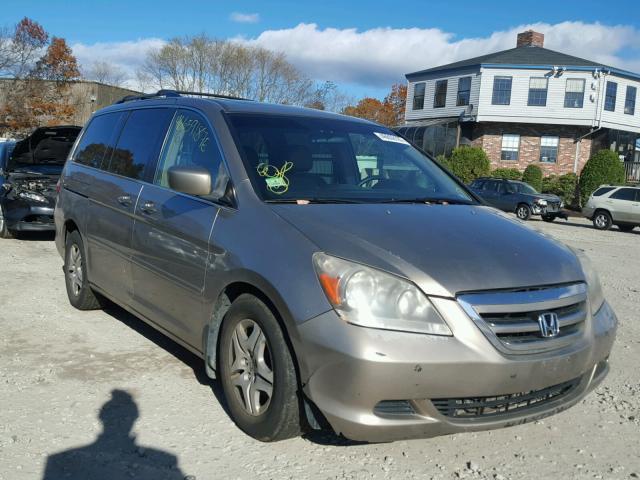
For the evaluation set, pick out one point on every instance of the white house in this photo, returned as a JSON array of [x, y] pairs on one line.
[[526, 105]]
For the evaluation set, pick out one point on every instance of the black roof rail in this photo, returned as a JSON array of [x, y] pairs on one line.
[[175, 93]]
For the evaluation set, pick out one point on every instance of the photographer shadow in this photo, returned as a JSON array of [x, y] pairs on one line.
[[114, 454]]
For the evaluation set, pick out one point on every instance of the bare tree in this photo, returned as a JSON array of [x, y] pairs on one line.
[[20, 47], [107, 73], [203, 64]]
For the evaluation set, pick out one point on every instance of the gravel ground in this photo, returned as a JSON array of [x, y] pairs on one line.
[[65, 374]]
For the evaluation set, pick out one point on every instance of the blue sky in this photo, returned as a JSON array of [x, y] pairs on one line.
[[361, 45]]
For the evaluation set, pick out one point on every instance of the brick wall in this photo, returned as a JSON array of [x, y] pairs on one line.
[[489, 137]]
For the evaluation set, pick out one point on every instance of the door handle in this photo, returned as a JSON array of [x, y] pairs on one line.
[[149, 208], [124, 200]]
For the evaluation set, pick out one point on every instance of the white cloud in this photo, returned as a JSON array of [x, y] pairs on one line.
[[380, 56], [245, 17]]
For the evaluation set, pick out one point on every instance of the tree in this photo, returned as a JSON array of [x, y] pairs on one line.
[[533, 176], [469, 163], [20, 47], [389, 112], [58, 63], [107, 73], [327, 96], [603, 168]]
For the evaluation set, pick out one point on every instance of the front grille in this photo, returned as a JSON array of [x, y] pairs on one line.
[[509, 319], [553, 206], [483, 407]]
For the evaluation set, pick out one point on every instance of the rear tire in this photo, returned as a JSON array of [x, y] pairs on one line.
[[257, 372], [75, 275], [626, 228], [602, 220], [523, 212]]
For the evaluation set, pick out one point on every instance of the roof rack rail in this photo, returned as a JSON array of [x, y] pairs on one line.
[[175, 93]]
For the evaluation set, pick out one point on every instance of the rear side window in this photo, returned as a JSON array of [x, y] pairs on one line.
[[601, 191], [98, 140], [139, 143], [190, 143], [628, 194]]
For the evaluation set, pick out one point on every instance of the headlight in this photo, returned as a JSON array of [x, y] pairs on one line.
[[370, 298], [561, 203], [596, 297], [34, 197], [541, 202]]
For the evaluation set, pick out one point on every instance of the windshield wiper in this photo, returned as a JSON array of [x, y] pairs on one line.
[[433, 200]]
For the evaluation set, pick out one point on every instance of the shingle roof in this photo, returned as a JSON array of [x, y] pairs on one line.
[[517, 56]]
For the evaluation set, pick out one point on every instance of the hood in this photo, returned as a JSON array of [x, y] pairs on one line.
[[543, 196], [444, 249]]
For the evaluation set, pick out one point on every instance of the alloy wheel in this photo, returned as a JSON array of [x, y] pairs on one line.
[[601, 221], [74, 269], [522, 213], [251, 368]]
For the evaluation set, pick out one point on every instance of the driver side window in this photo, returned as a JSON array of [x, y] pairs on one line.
[[191, 143]]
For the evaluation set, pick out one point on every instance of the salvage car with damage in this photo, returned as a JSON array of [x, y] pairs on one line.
[[29, 177]]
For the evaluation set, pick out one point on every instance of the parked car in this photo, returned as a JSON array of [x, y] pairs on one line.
[[519, 198], [29, 173], [614, 205], [326, 271]]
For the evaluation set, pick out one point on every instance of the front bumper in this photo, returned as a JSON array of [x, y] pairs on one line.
[[22, 216], [353, 369]]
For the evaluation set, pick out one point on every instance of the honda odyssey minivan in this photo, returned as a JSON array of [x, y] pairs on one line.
[[328, 273]]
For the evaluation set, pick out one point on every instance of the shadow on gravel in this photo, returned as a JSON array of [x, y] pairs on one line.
[[115, 453], [179, 352], [35, 236]]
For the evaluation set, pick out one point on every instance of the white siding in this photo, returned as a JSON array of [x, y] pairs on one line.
[[555, 112], [450, 109]]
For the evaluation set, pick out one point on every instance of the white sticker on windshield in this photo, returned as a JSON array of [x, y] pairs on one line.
[[390, 138]]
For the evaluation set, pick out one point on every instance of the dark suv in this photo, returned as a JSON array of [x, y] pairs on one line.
[[518, 197], [28, 177]]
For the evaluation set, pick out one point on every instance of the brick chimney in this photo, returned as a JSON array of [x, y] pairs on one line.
[[530, 39]]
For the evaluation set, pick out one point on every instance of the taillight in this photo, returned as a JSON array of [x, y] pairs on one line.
[[58, 186]]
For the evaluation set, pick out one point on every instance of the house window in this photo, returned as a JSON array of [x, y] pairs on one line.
[[537, 91], [418, 96], [549, 149], [501, 91], [630, 100], [464, 91], [510, 146], [610, 96], [440, 98], [574, 93]]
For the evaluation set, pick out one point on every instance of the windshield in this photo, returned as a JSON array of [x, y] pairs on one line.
[[316, 159], [524, 188]]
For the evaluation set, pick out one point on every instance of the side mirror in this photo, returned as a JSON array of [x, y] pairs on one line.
[[190, 180]]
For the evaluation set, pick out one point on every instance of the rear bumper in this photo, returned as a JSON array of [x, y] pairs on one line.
[[354, 368]]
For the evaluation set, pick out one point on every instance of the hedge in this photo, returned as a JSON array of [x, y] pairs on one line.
[[469, 163], [507, 173], [533, 176], [563, 186], [604, 167]]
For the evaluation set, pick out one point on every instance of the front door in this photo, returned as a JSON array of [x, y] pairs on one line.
[[171, 233]]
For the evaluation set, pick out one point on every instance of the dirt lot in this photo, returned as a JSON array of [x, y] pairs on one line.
[[65, 374]]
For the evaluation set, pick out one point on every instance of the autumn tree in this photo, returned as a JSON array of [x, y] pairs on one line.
[[107, 73], [38, 93], [389, 112]]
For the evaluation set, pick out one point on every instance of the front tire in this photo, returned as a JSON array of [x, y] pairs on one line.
[[602, 220], [523, 212], [4, 229], [257, 372], [75, 274]]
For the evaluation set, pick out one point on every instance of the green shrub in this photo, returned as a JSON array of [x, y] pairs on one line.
[[507, 173], [563, 186], [444, 161], [604, 167], [533, 176], [469, 163]]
